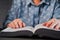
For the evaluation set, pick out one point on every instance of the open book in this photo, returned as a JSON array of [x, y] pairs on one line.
[[30, 31]]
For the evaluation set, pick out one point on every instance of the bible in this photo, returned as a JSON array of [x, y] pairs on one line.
[[39, 30]]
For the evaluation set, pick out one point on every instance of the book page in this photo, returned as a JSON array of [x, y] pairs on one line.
[[38, 27], [29, 28]]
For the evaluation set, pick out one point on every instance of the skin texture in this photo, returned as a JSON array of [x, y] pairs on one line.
[[17, 23], [51, 23]]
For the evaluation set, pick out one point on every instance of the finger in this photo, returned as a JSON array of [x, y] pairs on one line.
[[16, 24], [11, 25], [47, 24], [20, 23], [24, 25], [50, 22], [57, 27], [44, 24], [53, 25]]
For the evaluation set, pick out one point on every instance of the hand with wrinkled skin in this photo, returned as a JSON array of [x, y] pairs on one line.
[[51, 23], [17, 23]]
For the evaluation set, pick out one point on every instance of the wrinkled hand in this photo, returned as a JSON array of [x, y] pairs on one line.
[[53, 23], [17, 23]]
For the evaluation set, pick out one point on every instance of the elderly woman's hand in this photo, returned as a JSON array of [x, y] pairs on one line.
[[17, 23], [53, 23]]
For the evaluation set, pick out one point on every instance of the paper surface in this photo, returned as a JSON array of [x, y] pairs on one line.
[[27, 28], [19, 29]]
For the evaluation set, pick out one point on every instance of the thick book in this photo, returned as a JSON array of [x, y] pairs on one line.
[[29, 31]]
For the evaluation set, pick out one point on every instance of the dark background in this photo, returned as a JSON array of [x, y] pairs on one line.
[[4, 7]]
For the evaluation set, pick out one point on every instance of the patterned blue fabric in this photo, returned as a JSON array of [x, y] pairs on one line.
[[31, 14]]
